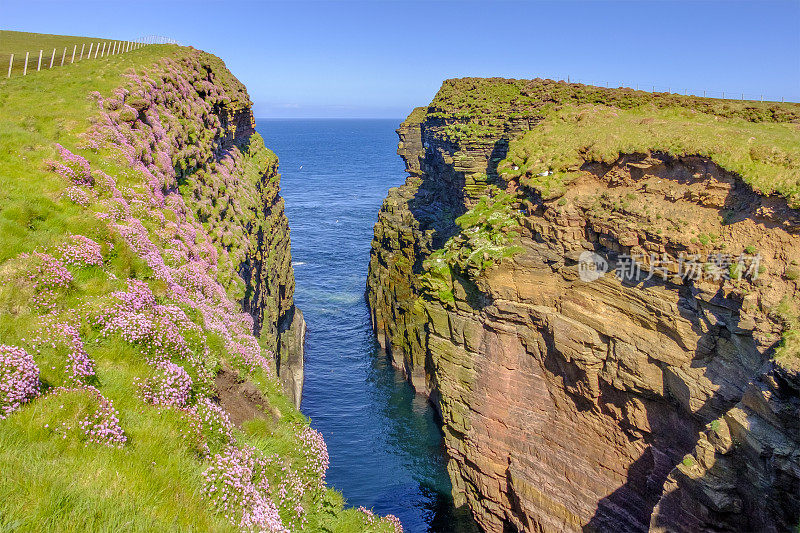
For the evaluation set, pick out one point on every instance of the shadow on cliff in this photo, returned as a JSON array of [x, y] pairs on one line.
[[674, 427], [730, 359]]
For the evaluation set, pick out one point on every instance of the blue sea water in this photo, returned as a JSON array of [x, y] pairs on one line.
[[384, 443]]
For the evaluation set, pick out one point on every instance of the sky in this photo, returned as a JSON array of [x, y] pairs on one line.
[[381, 59]]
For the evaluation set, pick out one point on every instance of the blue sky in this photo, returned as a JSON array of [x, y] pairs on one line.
[[382, 58]]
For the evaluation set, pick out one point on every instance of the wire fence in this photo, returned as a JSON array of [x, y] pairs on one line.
[[90, 49], [688, 91]]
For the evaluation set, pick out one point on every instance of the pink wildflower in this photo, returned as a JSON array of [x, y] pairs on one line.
[[82, 251], [99, 427], [63, 335], [237, 485], [19, 379], [171, 386]]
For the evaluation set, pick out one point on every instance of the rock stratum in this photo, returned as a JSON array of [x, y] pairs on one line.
[[653, 397]]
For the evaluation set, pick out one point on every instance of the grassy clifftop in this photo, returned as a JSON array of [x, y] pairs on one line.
[[487, 98], [133, 394]]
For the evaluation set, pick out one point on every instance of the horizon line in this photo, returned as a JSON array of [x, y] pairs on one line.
[[331, 118]]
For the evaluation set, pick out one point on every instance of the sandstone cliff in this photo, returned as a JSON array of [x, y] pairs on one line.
[[624, 403]]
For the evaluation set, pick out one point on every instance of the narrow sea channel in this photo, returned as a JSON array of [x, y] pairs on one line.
[[385, 446]]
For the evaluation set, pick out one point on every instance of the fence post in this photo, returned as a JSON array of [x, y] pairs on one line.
[[90, 51], [25, 70], [103, 52], [10, 64], [63, 56], [96, 50], [73, 52], [723, 95], [39, 64]]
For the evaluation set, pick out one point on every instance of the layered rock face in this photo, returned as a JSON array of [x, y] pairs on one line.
[[628, 402]]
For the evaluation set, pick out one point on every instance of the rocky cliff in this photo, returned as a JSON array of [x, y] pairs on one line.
[[598, 290], [231, 182]]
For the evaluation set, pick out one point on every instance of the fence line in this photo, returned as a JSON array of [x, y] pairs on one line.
[[110, 47]]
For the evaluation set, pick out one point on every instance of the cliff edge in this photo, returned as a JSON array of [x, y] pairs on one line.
[[146, 304], [598, 290]]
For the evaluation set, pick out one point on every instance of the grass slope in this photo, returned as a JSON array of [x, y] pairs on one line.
[[765, 154], [52, 478], [20, 42]]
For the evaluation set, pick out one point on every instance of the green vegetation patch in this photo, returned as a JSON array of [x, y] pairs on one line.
[[513, 98], [766, 155], [486, 238]]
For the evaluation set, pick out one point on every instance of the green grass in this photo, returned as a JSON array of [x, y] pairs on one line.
[[154, 482], [495, 100], [56, 484], [50, 483], [787, 312], [765, 154], [19, 42], [39, 111]]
